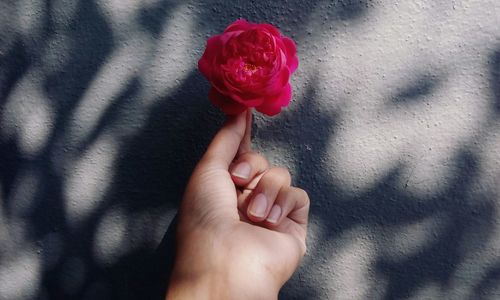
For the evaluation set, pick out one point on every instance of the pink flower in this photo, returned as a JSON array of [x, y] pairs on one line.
[[249, 65]]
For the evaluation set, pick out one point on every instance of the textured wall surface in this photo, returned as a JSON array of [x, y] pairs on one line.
[[394, 131]]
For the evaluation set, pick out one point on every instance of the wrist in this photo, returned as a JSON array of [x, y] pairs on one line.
[[218, 285], [196, 286], [201, 273]]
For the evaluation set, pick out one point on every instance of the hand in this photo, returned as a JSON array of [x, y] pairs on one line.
[[242, 227]]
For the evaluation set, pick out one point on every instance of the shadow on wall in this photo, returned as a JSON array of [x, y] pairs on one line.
[[468, 217], [154, 163], [148, 177], [416, 90], [495, 79], [150, 171]]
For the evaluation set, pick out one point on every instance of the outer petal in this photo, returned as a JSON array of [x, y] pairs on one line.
[[240, 25], [225, 103], [205, 64], [251, 102], [276, 84], [273, 107], [271, 29], [291, 54]]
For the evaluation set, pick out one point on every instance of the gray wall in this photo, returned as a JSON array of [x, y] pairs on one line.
[[394, 131]]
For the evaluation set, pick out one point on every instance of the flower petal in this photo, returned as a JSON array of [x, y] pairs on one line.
[[276, 84], [273, 107], [225, 103], [271, 29], [249, 65], [250, 102], [291, 54], [205, 64]]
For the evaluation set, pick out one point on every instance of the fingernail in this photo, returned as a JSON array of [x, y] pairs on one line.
[[242, 170], [259, 206], [274, 214]]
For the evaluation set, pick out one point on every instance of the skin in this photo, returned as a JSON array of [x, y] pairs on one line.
[[242, 226]]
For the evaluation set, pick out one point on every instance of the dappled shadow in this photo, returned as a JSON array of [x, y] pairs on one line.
[[154, 16], [91, 43], [422, 86], [138, 194], [488, 287], [351, 9], [150, 171], [470, 225], [470, 214], [149, 174], [494, 64], [13, 65]]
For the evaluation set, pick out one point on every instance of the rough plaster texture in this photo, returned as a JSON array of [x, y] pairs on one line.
[[394, 131]]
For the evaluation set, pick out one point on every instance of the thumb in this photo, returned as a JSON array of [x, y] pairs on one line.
[[246, 143], [224, 147]]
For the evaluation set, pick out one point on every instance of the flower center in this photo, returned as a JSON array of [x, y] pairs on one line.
[[250, 68]]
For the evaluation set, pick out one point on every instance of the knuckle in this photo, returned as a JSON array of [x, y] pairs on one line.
[[258, 157], [303, 249], [302, 194], [254, 158], [282, 172], [273, 177], [278, 176]]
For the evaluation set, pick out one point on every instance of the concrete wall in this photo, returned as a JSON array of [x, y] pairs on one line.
[[394, 131]]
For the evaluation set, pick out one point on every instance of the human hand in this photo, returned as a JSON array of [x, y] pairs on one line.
[[242, 226]]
